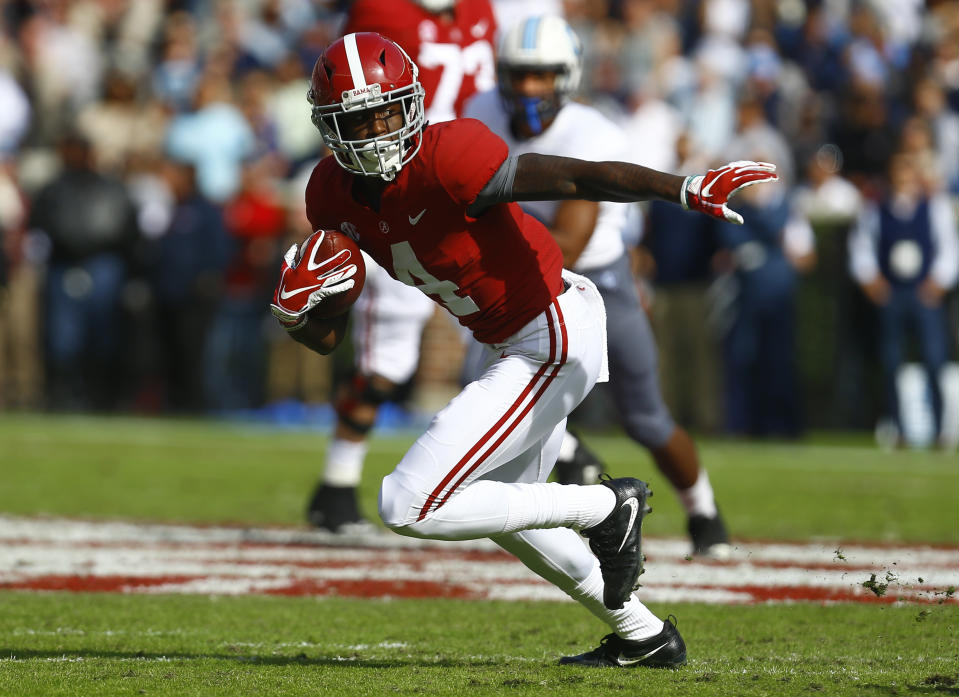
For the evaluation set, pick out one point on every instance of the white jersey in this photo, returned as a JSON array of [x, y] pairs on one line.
[[578, 131]]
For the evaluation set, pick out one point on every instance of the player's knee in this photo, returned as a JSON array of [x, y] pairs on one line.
[[395, 504], [650, 430], [371, 389], [359, 400], [399, 509]]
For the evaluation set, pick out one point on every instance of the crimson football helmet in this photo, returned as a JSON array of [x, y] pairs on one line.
[[361, 72]]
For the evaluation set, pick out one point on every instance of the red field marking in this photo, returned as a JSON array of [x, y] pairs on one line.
[[116, 557]]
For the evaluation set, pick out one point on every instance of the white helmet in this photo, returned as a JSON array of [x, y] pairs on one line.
[[436, 6], [543, 43]]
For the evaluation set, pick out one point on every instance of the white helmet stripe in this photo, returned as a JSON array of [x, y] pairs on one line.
[[353, 56]]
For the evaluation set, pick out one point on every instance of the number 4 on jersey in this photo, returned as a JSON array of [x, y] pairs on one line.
[[410, 271]]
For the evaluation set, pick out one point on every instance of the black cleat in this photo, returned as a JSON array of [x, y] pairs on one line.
[[335, 508], [709, 536], [583, 468], [616, 541], [665, 650]]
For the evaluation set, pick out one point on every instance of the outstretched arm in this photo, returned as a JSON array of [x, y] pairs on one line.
[[545, 177]]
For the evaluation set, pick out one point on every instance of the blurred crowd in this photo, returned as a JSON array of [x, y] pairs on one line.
[[153, 157]]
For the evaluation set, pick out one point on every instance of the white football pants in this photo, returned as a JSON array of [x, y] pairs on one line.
[[501, 434], [480, 469]]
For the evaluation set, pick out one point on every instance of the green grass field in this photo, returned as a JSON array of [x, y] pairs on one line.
[[836, 489], [122, 645]]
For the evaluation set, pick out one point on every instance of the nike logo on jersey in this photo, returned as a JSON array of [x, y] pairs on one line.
[[414, 221], [287, 294], [634, 509], [704, 192], [625, 661]]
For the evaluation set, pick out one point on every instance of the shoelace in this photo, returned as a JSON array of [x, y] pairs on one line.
[[604, 648], [604, 643]]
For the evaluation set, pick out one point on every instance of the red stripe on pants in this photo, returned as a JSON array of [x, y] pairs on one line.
[[433, 498]]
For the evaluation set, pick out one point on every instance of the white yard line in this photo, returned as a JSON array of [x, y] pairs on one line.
[[55, 554]]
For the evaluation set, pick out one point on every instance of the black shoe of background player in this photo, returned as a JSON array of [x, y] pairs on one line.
[[665, 650], [335, 509], [709, 536], [583, 468], [616, 540]]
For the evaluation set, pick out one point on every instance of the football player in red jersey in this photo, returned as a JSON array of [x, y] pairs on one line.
[[435, 206], [451, 43]]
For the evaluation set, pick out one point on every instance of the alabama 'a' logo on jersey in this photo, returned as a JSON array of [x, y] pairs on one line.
[[349, 229]]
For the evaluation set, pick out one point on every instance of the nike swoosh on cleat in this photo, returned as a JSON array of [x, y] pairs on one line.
[[414, 221], [634, 509], [624, 661], [286, 294]]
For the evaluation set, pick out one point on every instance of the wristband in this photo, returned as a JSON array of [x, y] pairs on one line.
[[682, 192], [299, 324]]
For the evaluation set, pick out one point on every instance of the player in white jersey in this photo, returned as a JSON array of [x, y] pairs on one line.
[[539, 65]]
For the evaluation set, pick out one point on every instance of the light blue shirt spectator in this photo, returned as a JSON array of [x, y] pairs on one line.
[[216, 139]]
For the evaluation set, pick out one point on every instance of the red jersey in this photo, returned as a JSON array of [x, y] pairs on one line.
[[256, 222], [494, 273], [455, 56]]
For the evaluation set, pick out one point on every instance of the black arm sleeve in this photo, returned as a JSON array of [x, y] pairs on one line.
[[498, 189]]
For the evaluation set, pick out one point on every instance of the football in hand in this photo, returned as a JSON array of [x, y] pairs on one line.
[[334, 252]]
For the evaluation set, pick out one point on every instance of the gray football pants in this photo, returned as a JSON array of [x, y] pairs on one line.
[[633, 365]]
